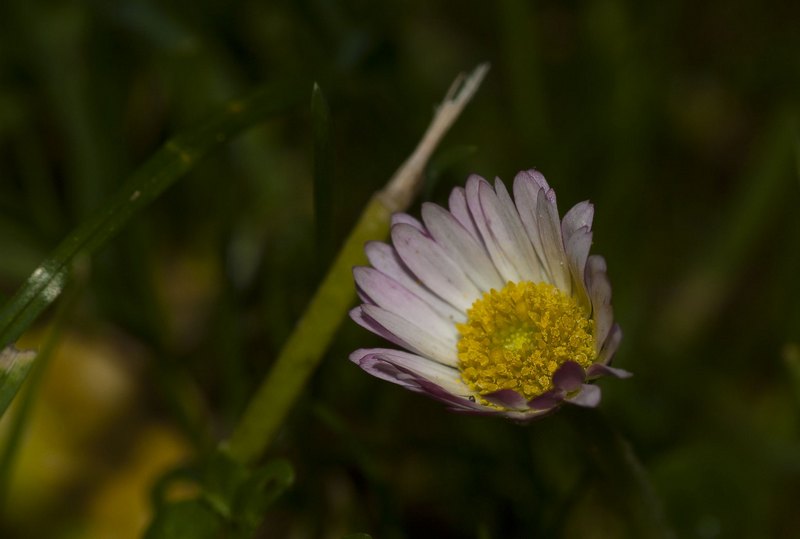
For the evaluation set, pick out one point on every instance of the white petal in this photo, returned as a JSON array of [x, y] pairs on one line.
[[552, 243], [461, 246], [504, 266], [526, 193], [577, 253], [579, 216], [600, 293], [428, 261], [387, 293], [419, 340], [359, 317], [534, 177], [609, 347], [506, 227], [398, 218], [596, 263], [460, 210], [384, 258]]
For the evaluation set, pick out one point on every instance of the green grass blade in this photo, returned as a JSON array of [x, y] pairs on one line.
[[14, 366], [19, 423], [176, 157]]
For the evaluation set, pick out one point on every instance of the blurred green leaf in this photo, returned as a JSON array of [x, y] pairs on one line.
[[222, 479], [172, 161], [236, 496], [259, 491], [189, 519]]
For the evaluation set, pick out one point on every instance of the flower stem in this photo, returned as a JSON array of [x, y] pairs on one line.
[[304, 349], [302, 352]]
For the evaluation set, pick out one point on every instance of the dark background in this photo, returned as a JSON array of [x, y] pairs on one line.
[[677, 119]]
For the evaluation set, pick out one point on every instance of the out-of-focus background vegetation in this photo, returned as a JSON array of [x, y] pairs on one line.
[[677, 119]]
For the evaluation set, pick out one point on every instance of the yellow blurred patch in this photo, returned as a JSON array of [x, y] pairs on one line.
[[87, 460], [87, 386], [120, 508]]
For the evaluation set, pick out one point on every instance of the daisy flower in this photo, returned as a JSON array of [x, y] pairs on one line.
[[497, 305]]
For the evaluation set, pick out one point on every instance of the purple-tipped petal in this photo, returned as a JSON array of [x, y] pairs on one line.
[[599, 369], [426, 377], [505, 226], [406, 219], [588, 396], [578, 250], [507, 398], [388, 294], [446, 377], [596, 263], [458, 207], [609, 348], [569, 376], [419, 375], [579, 216], [504, 266], [359, 317], [362, 296], [578, 247], [526, 193], [421, 340], [385, 259], [552, 242], [547, 400], [429, 262], [534, 178], [461, 246], [600, 293]]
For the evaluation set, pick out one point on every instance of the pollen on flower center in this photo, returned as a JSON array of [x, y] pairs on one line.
[[516, 338]]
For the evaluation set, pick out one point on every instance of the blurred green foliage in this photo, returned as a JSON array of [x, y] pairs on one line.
[[232, 502], [677, 119]]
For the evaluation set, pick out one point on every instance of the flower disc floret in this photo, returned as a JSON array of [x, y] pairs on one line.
[[517, 338]]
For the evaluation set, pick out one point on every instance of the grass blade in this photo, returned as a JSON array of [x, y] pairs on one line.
[[175, 158], [14, 366]]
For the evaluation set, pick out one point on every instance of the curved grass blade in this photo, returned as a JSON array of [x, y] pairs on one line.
[[19, 422], [14, 367], [175, 158]]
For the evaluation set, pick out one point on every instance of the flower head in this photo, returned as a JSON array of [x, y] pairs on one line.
[[497, 303]]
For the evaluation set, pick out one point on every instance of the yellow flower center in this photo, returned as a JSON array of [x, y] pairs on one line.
[[518, 337]]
